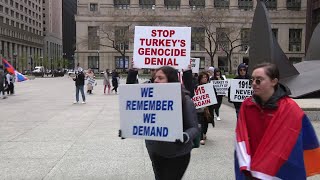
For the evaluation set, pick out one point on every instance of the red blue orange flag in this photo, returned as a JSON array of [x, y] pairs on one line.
[[19, 77], [289, 148]]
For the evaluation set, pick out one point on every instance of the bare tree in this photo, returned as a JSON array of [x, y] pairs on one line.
[[204, 22], [231, 38]]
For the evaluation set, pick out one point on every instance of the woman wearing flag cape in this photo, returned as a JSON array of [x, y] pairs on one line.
[[274, 138]]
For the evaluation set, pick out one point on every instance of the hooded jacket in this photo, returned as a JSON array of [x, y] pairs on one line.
[[190, 126]]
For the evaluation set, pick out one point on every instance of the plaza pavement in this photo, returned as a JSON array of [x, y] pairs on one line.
[[44, 136]]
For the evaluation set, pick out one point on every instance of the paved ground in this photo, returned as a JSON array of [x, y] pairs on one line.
[[44, 136]]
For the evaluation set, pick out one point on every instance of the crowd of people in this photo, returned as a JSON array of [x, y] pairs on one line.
[[81, 77], [275, 139], [7, 80]]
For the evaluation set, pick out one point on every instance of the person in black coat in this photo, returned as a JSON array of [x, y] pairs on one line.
[[242, 74], [79, 82], [217, 76], [170, 159], [115, 81]]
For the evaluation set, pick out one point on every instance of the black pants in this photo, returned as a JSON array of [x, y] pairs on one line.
[[115, 88], [10, 89], [218, 105], [169, 168]]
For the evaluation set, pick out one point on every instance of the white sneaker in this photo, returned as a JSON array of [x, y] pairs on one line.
[[75, 102], [83, 102], [218, 118]]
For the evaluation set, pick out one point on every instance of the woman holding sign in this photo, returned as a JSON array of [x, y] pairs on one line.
[[217, 76], [170, 159], [275, 139]]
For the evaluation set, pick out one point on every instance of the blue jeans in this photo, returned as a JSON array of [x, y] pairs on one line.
[[80, 88]]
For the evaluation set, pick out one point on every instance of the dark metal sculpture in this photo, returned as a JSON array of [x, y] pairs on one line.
[[301, 78]]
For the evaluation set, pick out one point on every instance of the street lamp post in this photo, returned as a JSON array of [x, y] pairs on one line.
[[98, 61], [15, 59]]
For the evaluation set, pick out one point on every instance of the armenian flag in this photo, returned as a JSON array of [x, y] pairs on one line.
[[19, 77], [289, 148]]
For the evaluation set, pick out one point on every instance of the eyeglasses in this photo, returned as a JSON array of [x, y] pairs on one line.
[[258, 80]]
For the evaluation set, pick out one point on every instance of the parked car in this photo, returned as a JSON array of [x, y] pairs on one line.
[[38, 71], [57, 73]]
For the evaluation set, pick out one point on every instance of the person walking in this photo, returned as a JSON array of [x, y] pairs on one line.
[[106, 81], [115, 81], [10, 82], [91, 81], [242, 74], [275, 138], [79, 82], [217, 76], [203, 114], [170, 159], [2, 82]]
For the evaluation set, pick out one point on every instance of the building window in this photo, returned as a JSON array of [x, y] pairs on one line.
[[221, 4], [245, 4], [1, 8], [295, 36], [121, 4], [93, 62], [147, 4], [7, 10], [223, 64], [93, 38], [295, 60], [271, 4], [294, 5], [197, 38], [122, 37], [93, 7], [222, 39], [245, 37], [197, 4], [275, 33], [119, 62], [172, 4]]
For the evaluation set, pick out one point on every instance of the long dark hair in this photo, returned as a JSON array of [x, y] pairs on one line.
[[201, 76], [170, 72]]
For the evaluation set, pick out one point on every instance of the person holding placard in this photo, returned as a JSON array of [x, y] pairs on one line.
[[170, 159], [91, 79], [204, 115], [274, 137], [217, 76], [242, 74]]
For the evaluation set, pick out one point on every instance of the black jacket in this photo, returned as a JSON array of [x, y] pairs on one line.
[[190, 126], [79, 79]]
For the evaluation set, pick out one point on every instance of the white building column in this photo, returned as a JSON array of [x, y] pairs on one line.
[[134, 3], [1, 48], [5, 50], [234, 4], [159, 3], [209, 4], [304, 4], [10, 56], [255, 4], [185, 4], [281, 5]]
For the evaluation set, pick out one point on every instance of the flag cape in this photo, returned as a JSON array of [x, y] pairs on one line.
[[19, 77], [289, 148]]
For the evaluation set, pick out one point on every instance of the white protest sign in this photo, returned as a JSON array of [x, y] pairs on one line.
[[221, 86], [156, 46], [240, 89], [151, 111], [195, 65], [204, 96]]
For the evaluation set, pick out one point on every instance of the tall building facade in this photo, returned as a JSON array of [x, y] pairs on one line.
[[313, 18], [105, 29], [69, 10], [21, 39], [52, 31]]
